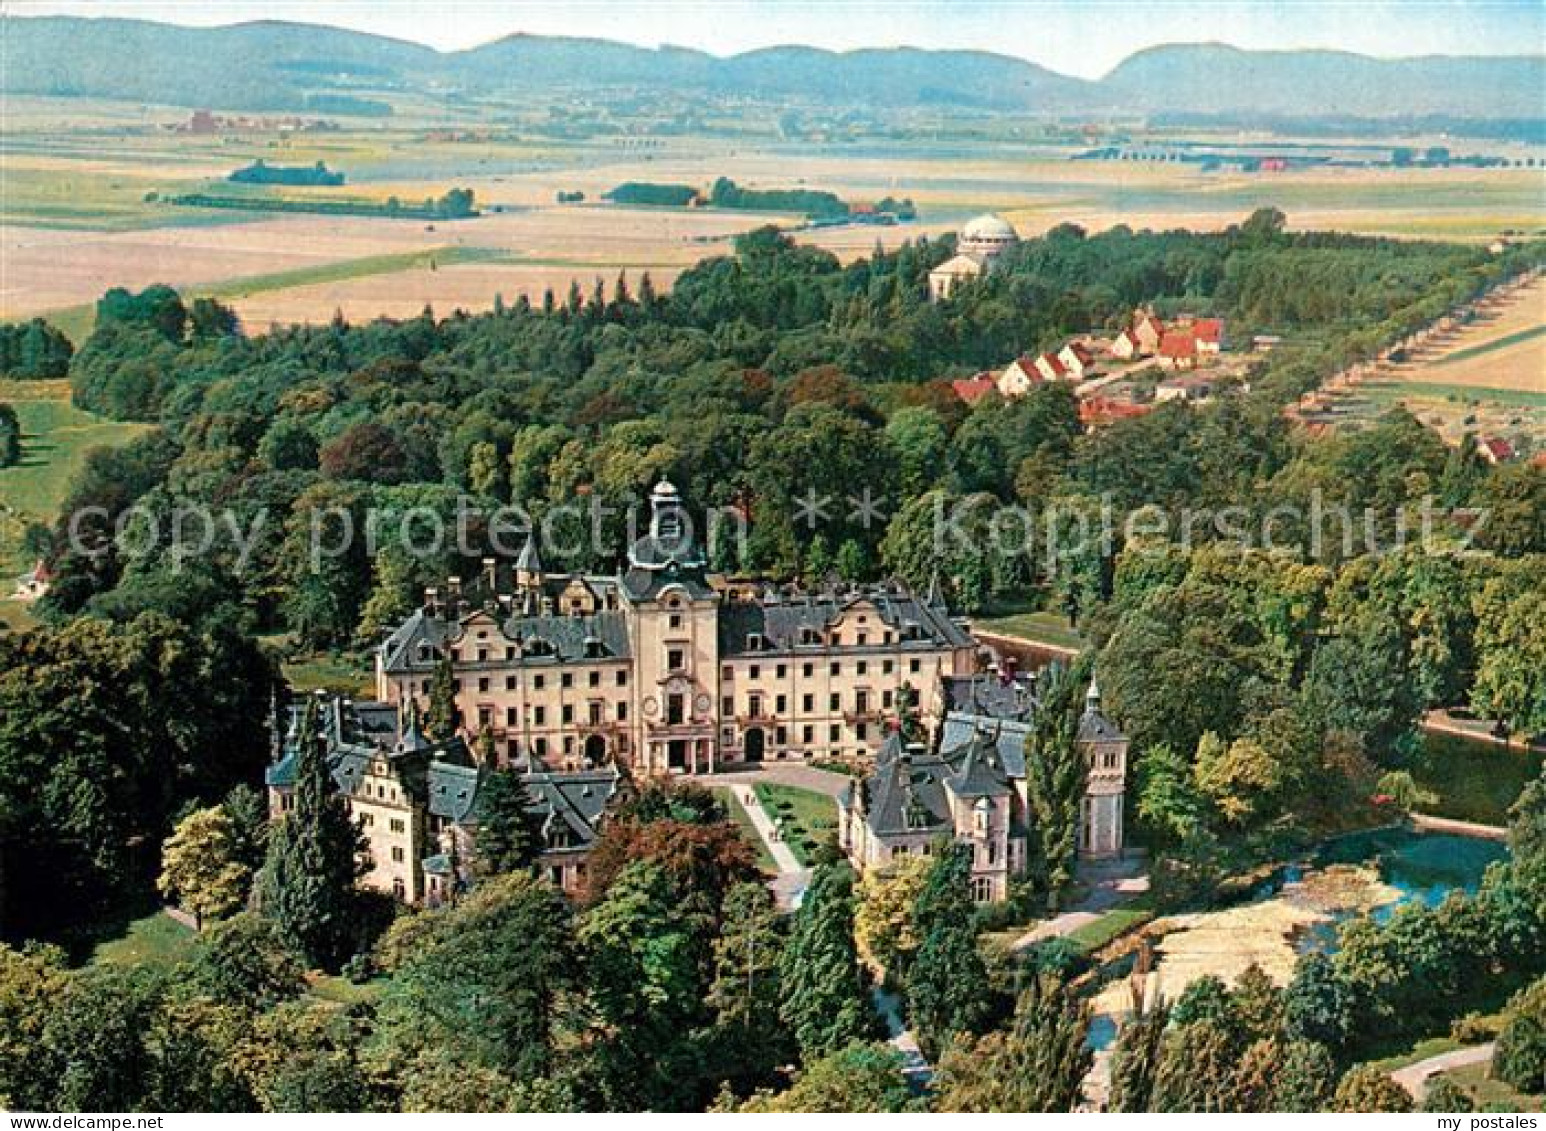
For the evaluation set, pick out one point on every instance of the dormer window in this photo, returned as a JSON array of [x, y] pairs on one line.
[[755, 642], [809, 636]]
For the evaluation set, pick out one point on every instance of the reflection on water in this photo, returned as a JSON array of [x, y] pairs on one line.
[[1419, 867], [1423, 867]]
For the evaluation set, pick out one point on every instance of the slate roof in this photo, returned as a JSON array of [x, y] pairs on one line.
[[541, 639], [783, 620], [960, 730], [909, 791], [989, 696], [572, 803]]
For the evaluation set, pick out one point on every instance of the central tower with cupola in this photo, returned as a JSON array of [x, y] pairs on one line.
[[674, 616]]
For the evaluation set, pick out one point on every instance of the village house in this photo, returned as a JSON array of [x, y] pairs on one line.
[[1050, 367], [978, 248], [1020, 376], [1078, 360], [1185, 387], [973, 389], [1178, 350], [1494, 449], [663, 669], [974, 790]]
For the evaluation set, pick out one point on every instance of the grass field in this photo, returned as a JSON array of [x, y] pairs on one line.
[[737, 813], [1488, 1094], [74, 218], [340, 672], [805, 817], [157, 941], [1039, 626], [56, 437], [1474, 781]]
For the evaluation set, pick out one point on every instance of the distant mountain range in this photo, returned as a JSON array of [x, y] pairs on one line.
[[272, 66]]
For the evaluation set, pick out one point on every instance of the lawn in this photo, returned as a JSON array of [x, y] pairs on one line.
[[56, 436], [737, 813], [1475, 781], [157, 941], [1483, 348], [328, 671], [805, 817], [1039, 626], [1493, 1095], [1113, 924]]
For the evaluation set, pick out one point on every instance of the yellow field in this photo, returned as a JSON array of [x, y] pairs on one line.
[[74, 218], [1503, 348]]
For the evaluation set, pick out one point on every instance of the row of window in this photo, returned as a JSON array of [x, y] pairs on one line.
[[861, 733], [863, 703], [595, 714], [808, 670]]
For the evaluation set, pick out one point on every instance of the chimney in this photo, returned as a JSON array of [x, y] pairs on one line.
[[453, 597], [432, 601], [490, 576]]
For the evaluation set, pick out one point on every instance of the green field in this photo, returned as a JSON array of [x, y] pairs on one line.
[[737, 813], [157, 941], [1039, 626], [1474, 781], [1488, 347], [55, 439], [805, 817], [1392, 391], [76, 321]]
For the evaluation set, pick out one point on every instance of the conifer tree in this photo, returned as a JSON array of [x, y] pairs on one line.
[[1038, 1065], [1055, 780], [441, 717], [947, 986], [825, 1002], [1135, 1060], [509, 834], [307, 883]]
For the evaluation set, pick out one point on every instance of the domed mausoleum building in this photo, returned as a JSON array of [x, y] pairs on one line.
[[980, 243]]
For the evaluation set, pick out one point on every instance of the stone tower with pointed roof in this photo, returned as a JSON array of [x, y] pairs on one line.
[[1105, 754]]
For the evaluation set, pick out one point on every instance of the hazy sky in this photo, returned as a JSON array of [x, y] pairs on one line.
[[1085, 38]]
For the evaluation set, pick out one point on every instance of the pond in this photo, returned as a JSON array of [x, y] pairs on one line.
[[1300, 908]]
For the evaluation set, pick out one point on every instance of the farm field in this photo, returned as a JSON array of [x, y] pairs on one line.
[[1486, 377], [80, 207]]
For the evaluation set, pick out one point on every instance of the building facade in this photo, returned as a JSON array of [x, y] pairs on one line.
[[415, 801], [664, 669], [978, 247], [973, 789]]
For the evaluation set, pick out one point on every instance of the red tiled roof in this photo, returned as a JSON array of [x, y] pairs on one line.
[[1498, 448], [1100, 410], [1079, 350], [973, 389], [1178, 343], [1208, 329], [1055, 364]]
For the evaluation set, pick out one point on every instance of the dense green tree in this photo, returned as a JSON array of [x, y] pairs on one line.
[[1055, 780], [947, 982], [307, 882], [1135, 1059], [1520, 1058], [484, 980], [826, 1004], [1366, 1089], [1037, 1065], [245, 960], [509, 835], [10, 436], [1442, 1094], [1307, 1078], [747, 1041], [857, 1078], [1197, 1067]]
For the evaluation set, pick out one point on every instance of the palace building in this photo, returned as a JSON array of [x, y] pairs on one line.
[[663, 668], [415, 801]]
